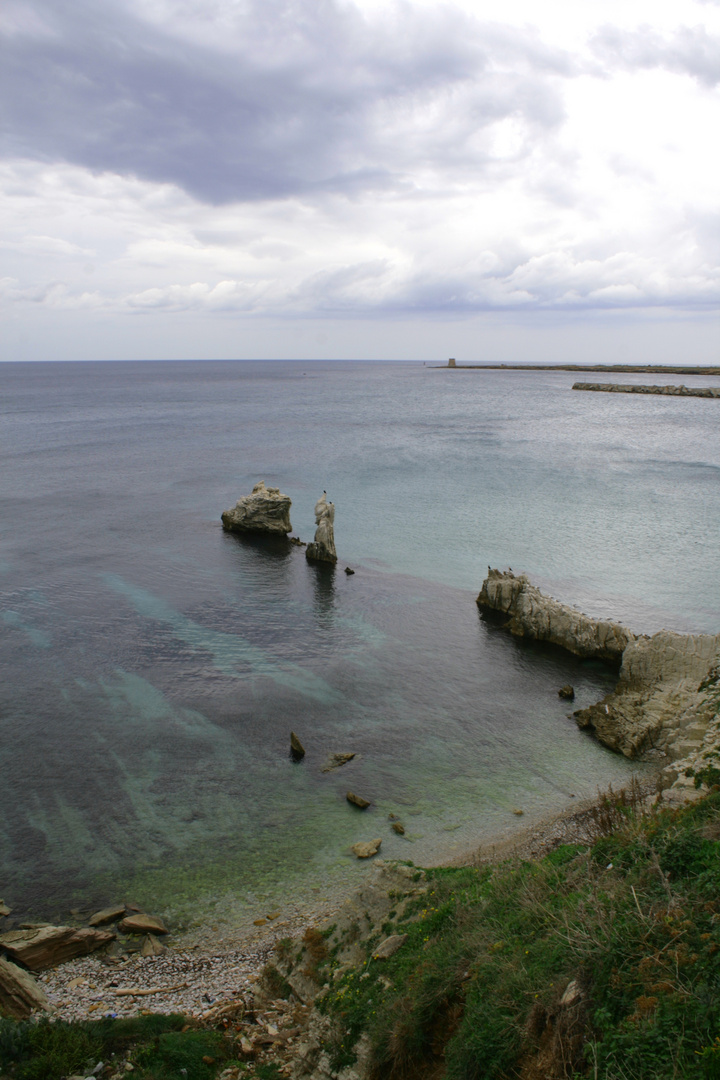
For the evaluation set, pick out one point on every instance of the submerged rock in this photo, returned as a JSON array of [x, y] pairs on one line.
[[20, 995], [265, 510], [357, 800], [533, 615], [398, 828], [47, 946], [107, 915], [335, 761], [366, 849], [142, 924], [566, 692], [297, 750], [322, 548]]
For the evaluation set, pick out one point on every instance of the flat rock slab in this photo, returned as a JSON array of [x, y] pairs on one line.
[[357, 800], [142, 924], [335, 761], [366, 849], [48, 946], [389, 946], [4, 909], [108, 914], [20, 995]]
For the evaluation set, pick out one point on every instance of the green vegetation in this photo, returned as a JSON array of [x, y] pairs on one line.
[[160, 1048], [475, 992]]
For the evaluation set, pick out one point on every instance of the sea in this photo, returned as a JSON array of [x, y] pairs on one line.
[[153, 666]]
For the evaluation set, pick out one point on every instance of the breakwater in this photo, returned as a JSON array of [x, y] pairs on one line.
[[668, 391]]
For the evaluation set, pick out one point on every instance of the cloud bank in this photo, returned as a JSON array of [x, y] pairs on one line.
[[292, 159]]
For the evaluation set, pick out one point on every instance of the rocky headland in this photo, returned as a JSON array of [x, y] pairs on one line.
[[667, 699], [265, 510], [668, 391]]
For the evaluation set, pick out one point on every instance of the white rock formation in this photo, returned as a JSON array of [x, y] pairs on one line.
[[534, 615], [323, 547], [264, 511]]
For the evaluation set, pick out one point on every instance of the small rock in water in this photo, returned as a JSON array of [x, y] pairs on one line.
[[357, 800], [108, 914], [566, 692], [519, 812], [334, 761], [398, 828], [4, 909], [366, 849], [297, 750], [142, 924], [348, 571]]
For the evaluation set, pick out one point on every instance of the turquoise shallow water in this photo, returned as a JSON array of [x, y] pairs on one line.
[[153, 666]]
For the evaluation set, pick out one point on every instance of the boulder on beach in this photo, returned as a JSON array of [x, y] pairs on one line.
[[20, 995], [366, 849], [297, 750], [357, 800], [265, 510], [152, 946], [322, 548], [335, 761], [48, 946], [142, 924], [107, 915]]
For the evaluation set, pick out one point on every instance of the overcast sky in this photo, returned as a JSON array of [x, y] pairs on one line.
[[521, 180]]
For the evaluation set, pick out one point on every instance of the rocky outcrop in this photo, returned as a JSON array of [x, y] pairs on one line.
[[533, 615], [357, 800], [265, 510], [366, 849], [323, 547], [20, 995], [107, 915], [667, 696], [668, 391], [47, 946], [662, 700]]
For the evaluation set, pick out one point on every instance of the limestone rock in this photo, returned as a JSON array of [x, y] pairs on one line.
[[142, 924], [348, 571], [398, 828], [389, 946], [567, 692], [323, 547], [335, 761], [263, 511], [365, 850], [533, 615], [48, 946], [20, 995], [659, 695], [107, 915], [4, 909], [572, 995], [357, 800], [152, 946], [297, 750]]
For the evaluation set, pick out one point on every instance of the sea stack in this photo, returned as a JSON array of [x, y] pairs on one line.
[[265, 510], [323, 547]]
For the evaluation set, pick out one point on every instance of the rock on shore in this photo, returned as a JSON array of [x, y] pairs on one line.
[[533, 615], [265, 510], [668, 693], [46, 946]]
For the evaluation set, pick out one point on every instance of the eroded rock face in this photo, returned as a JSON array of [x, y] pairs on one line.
[[20, 995], [265, 510], [666, 698], [323, 547], [659, 702], [533, 615], [47, 946]]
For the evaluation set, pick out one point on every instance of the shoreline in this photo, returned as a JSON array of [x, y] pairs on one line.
[[207, 969]]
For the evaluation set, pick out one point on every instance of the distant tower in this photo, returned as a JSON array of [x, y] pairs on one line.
[[451, 363]]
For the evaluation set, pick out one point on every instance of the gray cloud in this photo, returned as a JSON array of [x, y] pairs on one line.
[[292, 97], [689, 51]]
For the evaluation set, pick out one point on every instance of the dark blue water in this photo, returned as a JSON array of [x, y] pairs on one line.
[[153, 666]]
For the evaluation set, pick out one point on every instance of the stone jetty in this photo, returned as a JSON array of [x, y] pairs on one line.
[[669, 391]]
